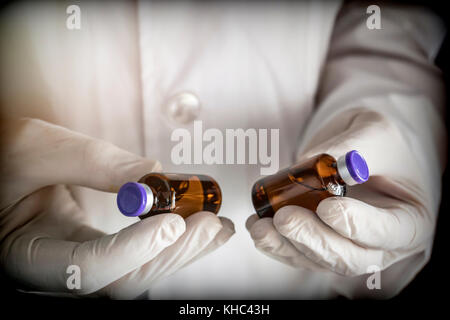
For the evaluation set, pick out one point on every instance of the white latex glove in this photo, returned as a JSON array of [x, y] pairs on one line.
[[387, 219], [44, 231]]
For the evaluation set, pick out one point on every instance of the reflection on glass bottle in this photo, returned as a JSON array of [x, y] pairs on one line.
[[183, 194], [308, 183]]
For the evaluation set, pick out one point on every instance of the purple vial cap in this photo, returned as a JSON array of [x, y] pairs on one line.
[[132, 199], [357, 166]]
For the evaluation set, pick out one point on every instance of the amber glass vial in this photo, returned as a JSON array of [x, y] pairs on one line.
[[307, 183], [179, 193]]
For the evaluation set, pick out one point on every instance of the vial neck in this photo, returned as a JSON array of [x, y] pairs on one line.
[[338, 179], [343, 172], [150, 198]]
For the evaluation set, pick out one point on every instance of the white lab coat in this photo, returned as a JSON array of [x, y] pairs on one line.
[[253, 65]]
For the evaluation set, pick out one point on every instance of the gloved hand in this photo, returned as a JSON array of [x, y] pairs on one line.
[[44, 231], [387, 219]]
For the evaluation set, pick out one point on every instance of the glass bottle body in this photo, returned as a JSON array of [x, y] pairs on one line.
[[182, 194], [304, 184]]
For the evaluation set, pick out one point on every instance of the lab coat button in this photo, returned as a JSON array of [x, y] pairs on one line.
[[183, 107]]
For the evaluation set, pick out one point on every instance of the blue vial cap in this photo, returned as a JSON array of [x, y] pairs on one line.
[[357, 166], [134, 199]]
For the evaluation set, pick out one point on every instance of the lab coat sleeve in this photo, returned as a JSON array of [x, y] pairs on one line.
[[390, 71]]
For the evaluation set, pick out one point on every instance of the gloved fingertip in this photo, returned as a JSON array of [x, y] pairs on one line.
[[285, 215], [173, 226], [204, 217], [157, 167], [329, 206], [265, 236], [347, 216], [290, 220], [228, 224], [332, 212], [251, 221], [224, 235], [205, 222], [260, 228]]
